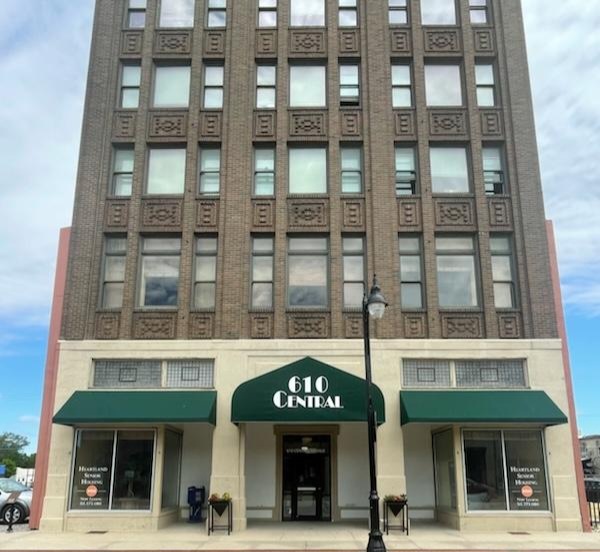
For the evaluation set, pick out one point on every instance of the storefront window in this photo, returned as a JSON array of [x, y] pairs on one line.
[[113, 470], [445, 476], [493, 458], [171, 470]]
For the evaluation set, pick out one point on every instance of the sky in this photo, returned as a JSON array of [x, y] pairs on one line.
[[44, 49]]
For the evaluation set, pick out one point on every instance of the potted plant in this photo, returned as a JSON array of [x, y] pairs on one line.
[[395, 503], [219, 503]]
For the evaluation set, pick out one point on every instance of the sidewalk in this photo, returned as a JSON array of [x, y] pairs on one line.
[[305, 536]]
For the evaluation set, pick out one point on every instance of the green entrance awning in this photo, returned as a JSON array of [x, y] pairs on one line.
[[479, 407], [108, 407], [305, 391]]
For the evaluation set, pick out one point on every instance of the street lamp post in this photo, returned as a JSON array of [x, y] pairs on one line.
[[373, 306]]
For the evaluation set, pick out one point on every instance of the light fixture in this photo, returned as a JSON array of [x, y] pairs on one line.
[[376, 302]]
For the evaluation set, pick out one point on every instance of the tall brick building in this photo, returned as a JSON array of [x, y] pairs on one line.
[[246, 167]]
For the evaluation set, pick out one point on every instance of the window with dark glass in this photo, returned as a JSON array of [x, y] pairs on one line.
[[115, 250], [205, 273], [398, 12], [213, 87], [445, 470], [171, 469], [307, 170], [438, 12], [267, 13], [129, 96], [493, 171], [401, 85], [166, 171], [411, 272], [264, 171], [308, 259], [443, 87], [351, 161], [503, 272], [307, 13], [136, 14], [449, 170], [456, 274], [176, 13], [210, 171], [354, 271], [217, 13], [348, 13], [406, 174], [266, 86], [160, 272], [478, 10], [171, 86], [122, 172], [486, 90], [349, 84], [262, 272]]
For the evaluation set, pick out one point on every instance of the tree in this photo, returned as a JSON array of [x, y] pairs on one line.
[[12, 455]]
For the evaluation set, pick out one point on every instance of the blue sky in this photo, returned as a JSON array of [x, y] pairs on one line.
[[44, 48]]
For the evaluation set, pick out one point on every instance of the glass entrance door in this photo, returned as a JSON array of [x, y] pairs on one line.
[[306, 478]]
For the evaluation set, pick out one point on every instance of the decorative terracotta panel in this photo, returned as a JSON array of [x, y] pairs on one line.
[[173, 42], [154, 325], [351, 123], [509, 325], [308, 124], [131, 43], [400, 41], [484, 42], [462, 326], [161, 213], [349, 41], [201, 325], [214, 43], [167, 125], [265, 124], [409, 214], [448, 123], [353, 326], [308, 326], [415, 325], [207, 215], [210, 124], [116, 214], [263, 214], [404, 124], [308, 213], [124, 124], [261, 326], [445, 41], [453, 212], [500, 212], [266, 43], [491, 123], [107, 325], [353, 213], [308, 42]]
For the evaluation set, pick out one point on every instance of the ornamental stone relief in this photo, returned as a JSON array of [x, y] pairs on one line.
[[201, 326], [154, 325], [261, 326], [409, 213], [265, 124], [161, 214], [263, 214], [400, 41], [353, 214], [116, 214], [415, 326], [491, 123], [351, 123], [124, 125], [353, 326], [307, 42], [167, 126], [173, 42], [509, 326], [307, 124], [131, 43], [404, 124], [462, 326], [349, 41], [442, 41], [483, 40], [500, 209], [214, 43], [453, 213], [303, 214], [107, 325], [207, 214], [308, 326], [266, 43], [210, 125], [448, 123]]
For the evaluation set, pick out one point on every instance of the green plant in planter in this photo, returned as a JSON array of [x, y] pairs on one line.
[[219, 503], [395, 503]]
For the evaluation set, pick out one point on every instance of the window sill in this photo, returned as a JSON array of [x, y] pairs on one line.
[[161, 196], [102, 310], [461, 310], [155, 309], [266, 310], [307, 310], [308, 196], [211, 310]]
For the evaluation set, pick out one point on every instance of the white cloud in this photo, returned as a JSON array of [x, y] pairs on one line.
[[564, 58], [29, 419]]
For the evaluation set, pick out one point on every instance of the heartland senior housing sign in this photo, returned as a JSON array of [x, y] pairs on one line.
[[305, 391]]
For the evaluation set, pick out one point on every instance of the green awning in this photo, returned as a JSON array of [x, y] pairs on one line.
[[479, 407], [117, 407], [305, 391]]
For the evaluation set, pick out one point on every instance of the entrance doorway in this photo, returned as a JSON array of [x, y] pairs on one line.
[[306, 478]]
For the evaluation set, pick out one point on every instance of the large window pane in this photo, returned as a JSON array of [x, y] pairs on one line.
[[308, 170], [445, 476], [160, 272], [449, 170], [456, 281], [308, 281], [172, 87], [133, 470], [171, 469], [177, 13], [443, 85], [526, 471], [438, 12], [484, 471], [92, 470], [307, 13], [166, 171], [307, 86]]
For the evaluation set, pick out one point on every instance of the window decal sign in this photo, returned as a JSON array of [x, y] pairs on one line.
[[91, 487], [307, 392], [527, 487]]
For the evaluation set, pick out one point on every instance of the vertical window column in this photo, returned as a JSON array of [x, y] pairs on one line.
[[136, 14], [266, 86], [349, 85], [456, 274], [160, 272], [205, 273], [493, 171], [122, 172], [264, 171], [478, 10], [401, 86], [351, 159], [262, 273], [406, 174], [354, 271], [411, 272], [348, 13], [503, 272], [398, 12], [213, 87], [210, 171], [113, 281], [129, 97], [486, 88], [217, 13], [267, 13]]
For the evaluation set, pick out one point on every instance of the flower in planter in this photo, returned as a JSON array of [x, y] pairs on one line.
[[219, 503], [396, 503]]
